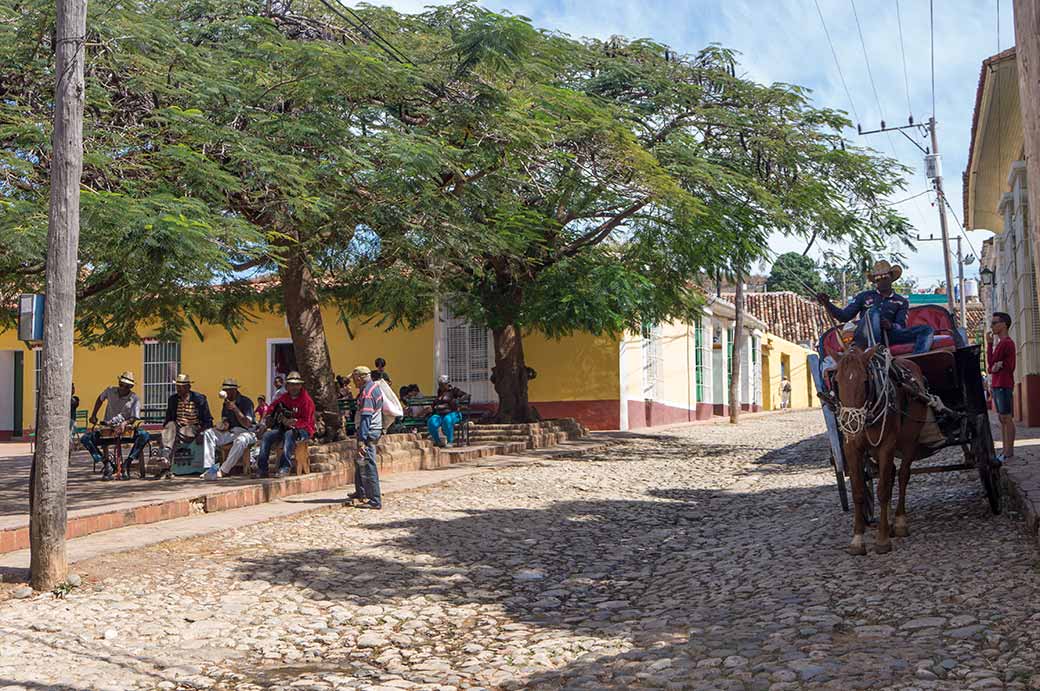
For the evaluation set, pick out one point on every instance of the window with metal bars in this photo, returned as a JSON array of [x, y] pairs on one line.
[[162, 361]]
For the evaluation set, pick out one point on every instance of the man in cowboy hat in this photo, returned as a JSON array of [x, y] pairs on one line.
[[235, 428], [187, 417], [883, 312], [122, 409], [298, 427]]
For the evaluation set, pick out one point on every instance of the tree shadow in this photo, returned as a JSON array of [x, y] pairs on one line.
[[673, 580]]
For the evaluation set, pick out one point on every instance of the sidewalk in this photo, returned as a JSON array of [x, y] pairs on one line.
[[14, 565], [1020, 476]]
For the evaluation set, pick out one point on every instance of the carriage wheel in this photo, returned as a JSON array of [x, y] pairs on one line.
[[843, 491], [989, 472]]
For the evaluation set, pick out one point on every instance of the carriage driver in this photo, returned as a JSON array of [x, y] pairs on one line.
[[883, 312]]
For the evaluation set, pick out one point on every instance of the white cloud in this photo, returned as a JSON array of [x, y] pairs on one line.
[[784, 41]]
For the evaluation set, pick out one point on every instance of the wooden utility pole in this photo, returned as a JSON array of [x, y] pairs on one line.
[[1027, 57], [48, 563], [738, 342]]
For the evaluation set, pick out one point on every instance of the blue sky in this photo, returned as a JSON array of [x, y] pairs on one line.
[[784, 41]]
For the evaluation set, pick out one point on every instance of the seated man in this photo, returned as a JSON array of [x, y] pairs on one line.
[[883, 313], [187, 417], [235, 428], [297, 425], [446, 412], [122, 411]]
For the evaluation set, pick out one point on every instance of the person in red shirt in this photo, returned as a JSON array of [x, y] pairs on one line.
[[290, 419], [1001, 359]]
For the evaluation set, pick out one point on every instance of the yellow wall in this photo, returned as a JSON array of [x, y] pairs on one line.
[[773, 350], [409, 356], [580, 367]]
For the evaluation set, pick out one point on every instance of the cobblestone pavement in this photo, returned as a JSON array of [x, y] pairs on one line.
[[706, 557]]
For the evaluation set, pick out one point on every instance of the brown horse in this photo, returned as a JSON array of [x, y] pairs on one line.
[[879, 418]]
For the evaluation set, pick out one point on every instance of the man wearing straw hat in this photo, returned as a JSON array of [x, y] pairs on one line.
[[235, 428], [883, 312], [122, 408], [297, 427], [187, 417]]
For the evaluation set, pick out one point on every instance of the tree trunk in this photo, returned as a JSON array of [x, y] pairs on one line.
[[511, 375], [738, 347], [303, 312], [1027, 56], [48, 563]]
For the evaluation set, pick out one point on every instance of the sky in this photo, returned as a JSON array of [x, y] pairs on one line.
[[784, 41]]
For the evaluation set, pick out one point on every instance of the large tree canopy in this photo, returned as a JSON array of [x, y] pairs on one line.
[[794, 272]]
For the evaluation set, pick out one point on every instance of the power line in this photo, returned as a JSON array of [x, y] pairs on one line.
[[960, 226], [866, 59], [363, 28], [902, 49], [837, 64]]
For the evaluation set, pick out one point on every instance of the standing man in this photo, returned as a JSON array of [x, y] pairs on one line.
[[883, 313], [381, 368], [187, 418], [122, 407], [785, 394], [235, 428], [1001, 359], [298, 426], [369, 425]]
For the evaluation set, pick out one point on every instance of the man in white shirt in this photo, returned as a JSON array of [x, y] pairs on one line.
[[122, 412]]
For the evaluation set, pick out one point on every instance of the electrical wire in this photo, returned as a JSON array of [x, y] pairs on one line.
[[866, 59], [902, 49], [837, 64], [362, 27], [960, 226]]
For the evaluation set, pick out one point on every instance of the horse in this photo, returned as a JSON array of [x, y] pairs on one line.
[[878, 416]]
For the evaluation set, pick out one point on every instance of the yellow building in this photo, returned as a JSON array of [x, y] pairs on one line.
[[670, 373]]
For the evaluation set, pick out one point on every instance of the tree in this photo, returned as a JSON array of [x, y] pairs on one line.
[[48, 562], [606, 174], [794, 272], [228, 140]]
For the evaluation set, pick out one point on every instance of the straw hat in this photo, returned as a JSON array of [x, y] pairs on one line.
[[883, 268], [294, 378], [229, 383], [127, 377], [362, 371], [182, 379]]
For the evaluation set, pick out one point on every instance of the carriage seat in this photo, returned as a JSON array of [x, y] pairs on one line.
[[935, 316]]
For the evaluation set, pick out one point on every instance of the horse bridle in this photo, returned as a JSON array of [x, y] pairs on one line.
[[852, 421]]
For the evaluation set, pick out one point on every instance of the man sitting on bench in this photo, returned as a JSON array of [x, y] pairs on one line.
[[446, 412], [187, 417], [122, 410], [291, 420], [235, 428]]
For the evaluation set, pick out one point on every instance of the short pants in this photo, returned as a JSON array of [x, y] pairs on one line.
[[1002, 399]]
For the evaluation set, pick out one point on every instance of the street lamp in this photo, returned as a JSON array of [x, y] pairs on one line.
[[986, 276]]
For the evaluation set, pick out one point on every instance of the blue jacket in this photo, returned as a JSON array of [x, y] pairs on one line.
[[201, 404], [893, 308]]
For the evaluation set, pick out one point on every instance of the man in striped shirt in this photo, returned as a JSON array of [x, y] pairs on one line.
[[369, 425]]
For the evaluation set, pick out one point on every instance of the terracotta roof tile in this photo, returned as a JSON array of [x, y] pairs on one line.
[[789, 315]]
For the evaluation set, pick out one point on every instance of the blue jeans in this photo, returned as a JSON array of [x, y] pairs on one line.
[[920, 335], [445, 423], [366, 472], [90, 442], [287, 440]]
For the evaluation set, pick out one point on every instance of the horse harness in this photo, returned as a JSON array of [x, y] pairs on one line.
[[880, 400]]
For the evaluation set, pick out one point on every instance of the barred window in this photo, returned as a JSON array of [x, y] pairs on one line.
[[162, 361]]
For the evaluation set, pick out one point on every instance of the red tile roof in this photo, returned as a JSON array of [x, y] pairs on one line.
[[789, 315]]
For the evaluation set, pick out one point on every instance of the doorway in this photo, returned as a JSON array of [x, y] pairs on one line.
[[10, 394], [281, 359]]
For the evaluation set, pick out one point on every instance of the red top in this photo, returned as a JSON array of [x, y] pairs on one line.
[[302, 407], [1004, 352]]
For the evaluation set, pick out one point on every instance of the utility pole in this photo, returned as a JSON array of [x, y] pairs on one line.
[[960, 278], [48, 562], [942, 217], [934, 171], [844, 289]]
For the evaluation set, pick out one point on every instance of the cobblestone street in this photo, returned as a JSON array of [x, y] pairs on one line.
[[704, 557]]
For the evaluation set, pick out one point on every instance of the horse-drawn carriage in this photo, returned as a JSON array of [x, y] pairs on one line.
[[957, 416]]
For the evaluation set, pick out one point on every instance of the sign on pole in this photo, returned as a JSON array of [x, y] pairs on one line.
[[30, 318]]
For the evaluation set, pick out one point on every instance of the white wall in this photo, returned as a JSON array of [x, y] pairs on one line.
[[6, 390]]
